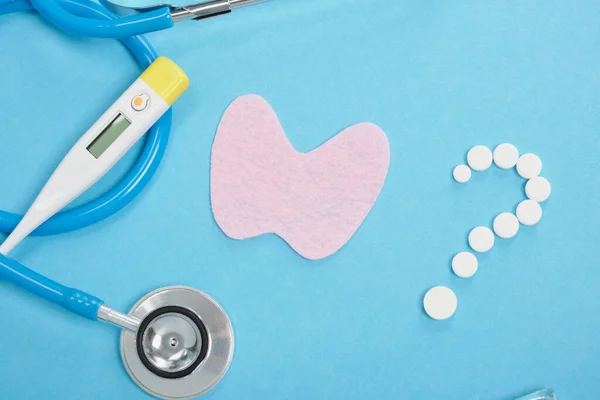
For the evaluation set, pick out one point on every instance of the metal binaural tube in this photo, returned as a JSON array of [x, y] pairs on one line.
[[242, 3], [201, 10], [209, 9]]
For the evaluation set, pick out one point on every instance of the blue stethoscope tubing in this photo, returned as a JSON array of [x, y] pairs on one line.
[[156, 141], [69, 18], [87, 18]]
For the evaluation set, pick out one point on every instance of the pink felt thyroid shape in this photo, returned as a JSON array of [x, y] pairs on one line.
[[315, 201]]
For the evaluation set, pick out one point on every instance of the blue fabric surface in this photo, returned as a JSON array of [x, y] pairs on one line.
[[438, 78]]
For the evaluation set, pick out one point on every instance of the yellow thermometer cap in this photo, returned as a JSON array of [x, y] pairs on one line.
[[166, 79]]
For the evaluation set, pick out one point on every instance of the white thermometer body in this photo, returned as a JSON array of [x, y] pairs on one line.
[[104, 144]]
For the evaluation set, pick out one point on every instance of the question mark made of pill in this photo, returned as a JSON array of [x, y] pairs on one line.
[[440, 302]]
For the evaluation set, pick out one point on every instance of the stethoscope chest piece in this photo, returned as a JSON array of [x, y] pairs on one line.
[[183, 346]]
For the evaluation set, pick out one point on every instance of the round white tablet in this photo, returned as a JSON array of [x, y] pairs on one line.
[[506, 155], [461, 173], [529, 166], [538, 189], [481, 239], [506, 225], [479, 158], [529, 212], [465, 264], [440, 303]]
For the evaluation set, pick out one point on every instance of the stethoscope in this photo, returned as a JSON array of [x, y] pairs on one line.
[[176, 342]]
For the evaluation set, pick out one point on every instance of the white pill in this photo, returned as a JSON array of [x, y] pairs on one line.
[[506, 225], [529, 212], [479, 158], [506, 155], [538, 189], [461, 173], [481, 239], [529, 166], [440, 303], [465, 264]]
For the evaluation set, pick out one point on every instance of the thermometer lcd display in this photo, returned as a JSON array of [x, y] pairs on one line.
[[108, 136]]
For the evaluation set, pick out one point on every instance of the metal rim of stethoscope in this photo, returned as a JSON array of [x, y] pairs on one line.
[[190, 357]]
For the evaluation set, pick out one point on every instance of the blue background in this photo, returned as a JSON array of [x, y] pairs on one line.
[[438, 77]]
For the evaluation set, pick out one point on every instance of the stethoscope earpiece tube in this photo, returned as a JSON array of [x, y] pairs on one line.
[[69, 20]]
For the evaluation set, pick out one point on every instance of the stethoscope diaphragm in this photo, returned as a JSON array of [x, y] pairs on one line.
[[184, 344]]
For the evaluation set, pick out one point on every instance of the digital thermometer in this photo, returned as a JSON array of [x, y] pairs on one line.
[[105, 143]]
